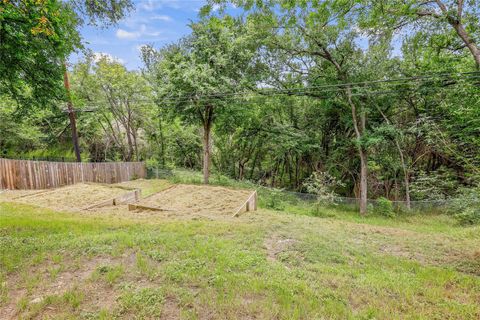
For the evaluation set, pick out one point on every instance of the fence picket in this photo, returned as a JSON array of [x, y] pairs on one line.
[[25, 174]]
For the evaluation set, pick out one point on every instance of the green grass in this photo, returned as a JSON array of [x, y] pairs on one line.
[[264, 265]]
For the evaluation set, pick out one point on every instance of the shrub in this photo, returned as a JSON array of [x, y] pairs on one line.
[[466, 206], [322, 185], [469, 216], [384, 208], [275, 200]]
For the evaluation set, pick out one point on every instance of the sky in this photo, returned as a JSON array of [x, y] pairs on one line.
[[156, 22]]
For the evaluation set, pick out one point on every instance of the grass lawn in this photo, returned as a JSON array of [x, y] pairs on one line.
[[262, 265]]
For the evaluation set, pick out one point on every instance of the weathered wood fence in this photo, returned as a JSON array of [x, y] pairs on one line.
[[25, 174]]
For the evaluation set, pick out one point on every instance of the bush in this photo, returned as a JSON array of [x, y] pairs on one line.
[[470, 216], [384, 208], [275, 200], [466, 207], [322, 185]]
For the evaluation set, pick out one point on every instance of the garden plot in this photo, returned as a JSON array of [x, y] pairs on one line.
[[79, 197], [194, 199]]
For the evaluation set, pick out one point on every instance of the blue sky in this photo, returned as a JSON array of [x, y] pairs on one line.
[[156, 22]]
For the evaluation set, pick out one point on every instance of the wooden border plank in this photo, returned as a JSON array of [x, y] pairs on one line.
[[136, 206], [125, 198], [246, 204]]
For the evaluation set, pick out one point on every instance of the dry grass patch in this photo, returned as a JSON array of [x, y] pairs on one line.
[[72, 198], [194, 199], [148, 187]]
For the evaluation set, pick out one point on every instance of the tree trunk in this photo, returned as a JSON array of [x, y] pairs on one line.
[[241, 169], [363, 181], [206, 153], [71, 114], [359, 129], [130, 145], [162, 141], [469, 42], [252, 171], [207, 126], [407, 189]]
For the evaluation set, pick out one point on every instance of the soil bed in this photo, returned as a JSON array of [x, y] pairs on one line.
[[75, 197], [195, 199]]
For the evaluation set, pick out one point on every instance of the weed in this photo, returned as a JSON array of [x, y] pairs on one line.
[[110, 274], [73, 298]]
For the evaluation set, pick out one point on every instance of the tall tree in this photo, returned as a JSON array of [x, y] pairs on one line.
[[196, 76], [36, 38], [322, 35], [455, 24], [120, 98]]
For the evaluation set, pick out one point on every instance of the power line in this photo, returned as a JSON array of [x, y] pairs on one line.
[[340, 87], [358, 88], [302, 92]]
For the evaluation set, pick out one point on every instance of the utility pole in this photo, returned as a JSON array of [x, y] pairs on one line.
[[71, 114]]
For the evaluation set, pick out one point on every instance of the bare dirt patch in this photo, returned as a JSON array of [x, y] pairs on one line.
[[193, 199], [40, 284], [72, 198], [171, 310], [276, 246]]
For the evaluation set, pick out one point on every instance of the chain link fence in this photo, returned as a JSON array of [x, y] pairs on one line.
[[273, 197]]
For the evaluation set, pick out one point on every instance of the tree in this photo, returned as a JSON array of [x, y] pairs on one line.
[[195, 76], [121, 98], [321, 34], [453, 24], [36, 37]]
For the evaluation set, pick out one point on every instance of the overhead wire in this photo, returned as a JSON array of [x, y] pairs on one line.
[[336, 86], [309, 91], [326, 91], [312, 89]]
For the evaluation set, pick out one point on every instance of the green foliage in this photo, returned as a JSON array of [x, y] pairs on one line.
[[36, 39], [465, 207], [275, 200], [36, 36], [420, 114], [322, 185], [384, 207], [469, 216], [435, 185]]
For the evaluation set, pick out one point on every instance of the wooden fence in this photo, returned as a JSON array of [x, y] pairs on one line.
[[25, 174]]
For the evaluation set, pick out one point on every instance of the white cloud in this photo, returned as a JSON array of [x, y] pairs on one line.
[[161, 18], [142, 32], [97, 56], [149, 5], [123, 34]]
